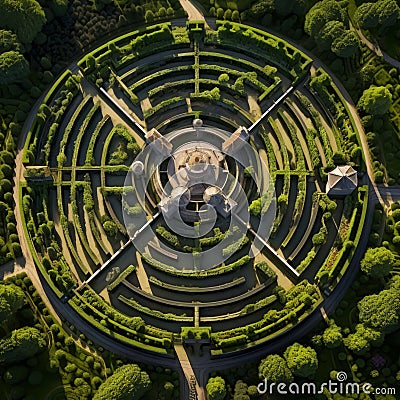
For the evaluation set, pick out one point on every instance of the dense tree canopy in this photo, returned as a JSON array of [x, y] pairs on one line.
[[22, 344], [366, 16], [320, 14], [381, 14], [13, 67], [12, 298], [359, 342], [287, 7], [274, 368], [331, 31], [111, 228], [375, 100], [24, 17], [332, 336], [346, 45], [388, 12], [216, 389], [377, 262], [381, 311], [9, 41], [127, 382], [302, 361]]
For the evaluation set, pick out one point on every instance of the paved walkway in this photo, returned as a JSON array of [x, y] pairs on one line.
[[142, 276], [373, 45], [193, 10], [193, 387], [389, 194]]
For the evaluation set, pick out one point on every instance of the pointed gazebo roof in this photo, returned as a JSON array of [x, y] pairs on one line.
[[341, 181]]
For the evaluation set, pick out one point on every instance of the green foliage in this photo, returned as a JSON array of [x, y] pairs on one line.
[[377, 262], [381, 311], [255, 207], [375, 100], [59, 7], [366, 16], [9, 41], [24, 17], [381, 14], [346, 45], [13, 67], [360, 341], [216, 389], [127, 382], [320, 14], [332, 336], [266, 269], [22, 344], [275, 369], [223, 79], [302, 361], [168, 236], [12, 298], [110, 228], [15, 374]]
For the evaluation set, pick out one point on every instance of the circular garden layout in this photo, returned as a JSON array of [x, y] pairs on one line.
[[169, 87]]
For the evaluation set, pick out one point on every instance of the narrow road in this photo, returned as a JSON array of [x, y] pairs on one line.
[[374, 46], [192, 9]]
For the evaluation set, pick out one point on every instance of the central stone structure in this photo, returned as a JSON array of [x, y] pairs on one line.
[[197, 171], [193, 164]]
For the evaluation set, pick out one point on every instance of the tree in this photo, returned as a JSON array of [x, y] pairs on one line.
[[366, 16], [332, 336], [330, 31], [12, 298], [127, 382], [111, 228], [388, 12], [9, 41], [59, 7], [287, 7], [235, 16], [22, 344], [381, 311], [376, 100], [274, 368], [255, 207], [25, 17], [377, 262], [320, 14], [302, 361], [360, 341], [216, 389], [346, 45], [149, 16], [13, 67]]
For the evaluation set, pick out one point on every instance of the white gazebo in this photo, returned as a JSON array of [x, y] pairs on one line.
[[341, 181]]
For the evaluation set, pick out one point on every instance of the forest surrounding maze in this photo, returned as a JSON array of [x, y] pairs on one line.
[[92, 125]]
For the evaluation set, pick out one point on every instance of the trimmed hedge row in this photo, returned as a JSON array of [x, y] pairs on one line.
[[170, 103], [300, 299], [201, 274], [89, 155], [93, 305], [328, 274], [273, 49], [154, 313]]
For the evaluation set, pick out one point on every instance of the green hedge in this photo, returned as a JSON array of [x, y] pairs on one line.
[[201, 274], [154, 313]]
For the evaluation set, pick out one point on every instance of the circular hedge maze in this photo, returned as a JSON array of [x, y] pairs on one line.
[[195, 125]]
